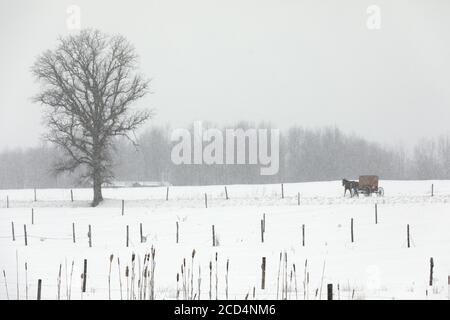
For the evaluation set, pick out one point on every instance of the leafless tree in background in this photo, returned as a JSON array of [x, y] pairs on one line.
[[89, 83]]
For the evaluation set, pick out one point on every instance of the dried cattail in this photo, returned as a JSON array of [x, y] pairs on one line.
[[278, 277], [127, 274], [210, 280], [71, 276], [226, 280], [295, 282], [6, 284], [111, 257], [120, 278], [217, 278]]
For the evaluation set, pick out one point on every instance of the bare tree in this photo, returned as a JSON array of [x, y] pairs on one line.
[[89, 83]]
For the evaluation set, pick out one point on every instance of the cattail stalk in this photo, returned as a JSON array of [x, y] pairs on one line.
[[111, 257], [278, 277], [6, 284]]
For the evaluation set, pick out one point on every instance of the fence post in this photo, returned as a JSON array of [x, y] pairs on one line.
[[432, 189], [226, 193], [282, 191], [32, 216], [7, 202], [178, 228], [39, 289], [298, 198], [264, 220], [262, 231], [84, 276], [123, 207], [140, 230], [25, 234], [330, 291], [407, 235], [35, 196], [71, 195], [303, 235], [213, 236], [128, 234], [263, 276], [73, 232], [12, 228], [431, 271], [90, 236], [352, 230], [376, 213], [167, 194], [206, 201]]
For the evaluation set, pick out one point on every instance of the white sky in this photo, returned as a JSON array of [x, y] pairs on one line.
[[309, 63]]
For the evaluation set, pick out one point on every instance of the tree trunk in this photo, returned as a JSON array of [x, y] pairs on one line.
[[98, 197], [97, 173]]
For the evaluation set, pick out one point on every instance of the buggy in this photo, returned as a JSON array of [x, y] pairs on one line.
[[368, 185]]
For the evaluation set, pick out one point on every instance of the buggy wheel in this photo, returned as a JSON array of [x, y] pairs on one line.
[[367, 191], [380, 191]]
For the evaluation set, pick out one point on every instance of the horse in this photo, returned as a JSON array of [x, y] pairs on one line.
[[351, 186]]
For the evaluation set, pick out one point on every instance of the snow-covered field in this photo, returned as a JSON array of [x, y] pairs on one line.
[[377, 265]]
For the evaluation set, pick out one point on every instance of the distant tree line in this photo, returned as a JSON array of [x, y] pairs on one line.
[[305, 155]]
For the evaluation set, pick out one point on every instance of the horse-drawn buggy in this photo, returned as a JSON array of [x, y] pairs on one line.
[[366, 185]]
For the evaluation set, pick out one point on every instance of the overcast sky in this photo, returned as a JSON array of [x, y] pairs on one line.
[[311, 63]]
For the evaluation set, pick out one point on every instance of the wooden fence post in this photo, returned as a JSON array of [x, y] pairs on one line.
[[407, 235], [12, 228], [90, 236], [330, 291], [262, 231], [213, 236], [25, 234], [73, 232], [303, 235], [264, 220], [32, 216], [71, 195], [376, 213], [84, 276], [167, 194], [123, 207], [431, 271], [7, 202], [298, 198], [226, 193], [39, 287], [206, 201], [263, 276], [140, 230], [128, 235], [352, 230], [282, 191], [432, 189], [35, 196]]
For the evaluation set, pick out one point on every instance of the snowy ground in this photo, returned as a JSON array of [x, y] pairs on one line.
[[377, 265]]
